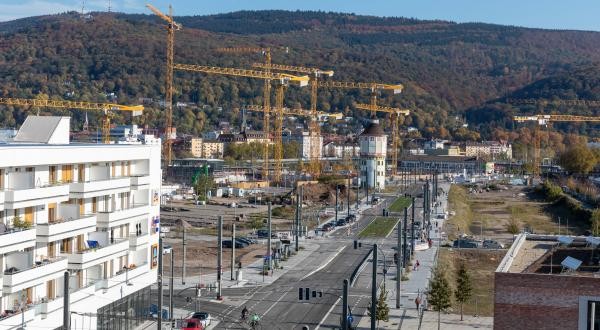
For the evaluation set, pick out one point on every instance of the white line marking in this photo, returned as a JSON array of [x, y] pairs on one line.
[[273, 305], [325, 264], [328, 312]]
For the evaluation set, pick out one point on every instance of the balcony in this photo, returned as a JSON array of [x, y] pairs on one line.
[[140, 181], [54, 231], [35, 274], [13, 319], [96, 188], [17, 198], [15, 239], [1, 200], [95, 256], [139, 240], [123, 216], [49, 306]]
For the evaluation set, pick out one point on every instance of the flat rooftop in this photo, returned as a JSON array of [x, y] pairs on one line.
[[551, 254]]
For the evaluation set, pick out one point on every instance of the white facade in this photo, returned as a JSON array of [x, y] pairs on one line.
[[311, 143], [373, 151], [91, 209]]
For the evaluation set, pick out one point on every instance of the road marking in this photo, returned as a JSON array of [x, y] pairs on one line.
[[328, 312], [325, 264], [273, 305]]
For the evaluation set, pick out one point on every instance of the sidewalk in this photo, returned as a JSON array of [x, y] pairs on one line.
[[406, 317]]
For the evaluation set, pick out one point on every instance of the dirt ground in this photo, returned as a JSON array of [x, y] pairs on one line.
[[487, 214], [481, 265]]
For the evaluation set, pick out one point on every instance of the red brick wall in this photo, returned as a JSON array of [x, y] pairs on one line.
[[539, 301]]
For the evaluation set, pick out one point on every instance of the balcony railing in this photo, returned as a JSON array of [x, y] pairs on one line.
[[13, 239], [15, 280], [94, 254], [90, 186], [110, 218], [84, 223], [37, 194]]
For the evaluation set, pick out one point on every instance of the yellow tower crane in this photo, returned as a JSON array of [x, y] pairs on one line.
[[284, 79], [394, 114], [313, 127], [105, 107], [544, 120], [373, 87], [171, 27], [266, 94]]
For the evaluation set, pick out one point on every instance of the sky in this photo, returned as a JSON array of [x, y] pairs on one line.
[[549, 14]]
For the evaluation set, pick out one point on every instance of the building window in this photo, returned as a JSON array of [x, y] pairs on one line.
[[593, 315]]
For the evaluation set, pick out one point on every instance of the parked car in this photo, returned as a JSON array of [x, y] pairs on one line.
[[491, 244], [465, 244], [192, 324], [327, 227], [264, 233], [245, 240], [241, 241], [340, 222], [227, 244], [203, 317], [351, 217]]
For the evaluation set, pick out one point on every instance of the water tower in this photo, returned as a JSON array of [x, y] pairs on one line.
[[373, 150]]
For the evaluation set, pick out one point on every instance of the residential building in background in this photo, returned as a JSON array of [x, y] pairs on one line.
[[489, 149], [341, 150], [311, 142], [89, 209], [548, 282]]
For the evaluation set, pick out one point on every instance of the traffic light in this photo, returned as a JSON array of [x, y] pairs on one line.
[[300, 293], [355, 244], [307, 290]]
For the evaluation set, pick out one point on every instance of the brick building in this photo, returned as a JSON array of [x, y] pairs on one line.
[[547, 282]]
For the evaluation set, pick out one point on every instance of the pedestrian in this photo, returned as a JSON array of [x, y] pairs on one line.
[[418, 264], [424, 303], [418, 302]]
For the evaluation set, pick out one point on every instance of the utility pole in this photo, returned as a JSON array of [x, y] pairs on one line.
[[357, 195], [374, 290], [300, 210], [220, 256], [398, 265], [337, 191], [184, 255], [232, 250], [269, 238], [296, 220], [404, 239], [412, 228], [348, 195], [160, 283], [171, 284], [345, 305], [66, 304]]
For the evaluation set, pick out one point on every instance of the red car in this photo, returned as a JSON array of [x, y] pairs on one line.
[[192, 324]]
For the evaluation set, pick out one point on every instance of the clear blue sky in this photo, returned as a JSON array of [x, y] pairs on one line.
[[552, 14]]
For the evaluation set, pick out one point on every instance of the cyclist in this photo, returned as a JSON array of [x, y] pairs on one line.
[[254, 319], [244, 313]]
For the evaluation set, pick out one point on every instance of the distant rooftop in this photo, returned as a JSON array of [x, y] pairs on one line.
[[44, 129], [551, 254]]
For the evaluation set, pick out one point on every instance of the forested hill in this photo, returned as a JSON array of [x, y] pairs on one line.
[[446, 67]]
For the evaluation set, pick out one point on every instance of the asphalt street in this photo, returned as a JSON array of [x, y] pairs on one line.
[[278, 304]]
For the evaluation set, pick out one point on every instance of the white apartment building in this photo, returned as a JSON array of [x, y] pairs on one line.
[[311, 145], [89, 209]]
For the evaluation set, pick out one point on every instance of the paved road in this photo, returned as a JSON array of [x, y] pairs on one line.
[[324, 270]]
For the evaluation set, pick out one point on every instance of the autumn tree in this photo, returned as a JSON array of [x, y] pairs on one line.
[[579, 159]]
